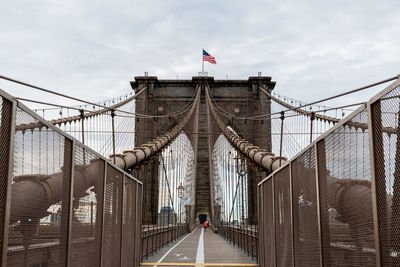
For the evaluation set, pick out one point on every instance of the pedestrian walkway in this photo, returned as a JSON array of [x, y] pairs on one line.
[[200, 248]]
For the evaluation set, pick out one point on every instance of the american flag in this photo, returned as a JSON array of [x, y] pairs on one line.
[[208, 57]]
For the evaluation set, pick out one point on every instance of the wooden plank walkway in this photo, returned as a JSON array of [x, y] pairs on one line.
[[200, 248]]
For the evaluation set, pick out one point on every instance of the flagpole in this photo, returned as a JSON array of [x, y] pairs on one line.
[[202, 60]]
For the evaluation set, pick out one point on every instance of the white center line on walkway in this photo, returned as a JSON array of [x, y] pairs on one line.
[[200, 248], [166, 254]]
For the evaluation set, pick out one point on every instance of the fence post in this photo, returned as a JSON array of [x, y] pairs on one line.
[[260, 247], [140, 219], [312, 117], [122, 219], [281, 139], [138, 237], [7, 130], [376, 157], [102, 213], [69, 154], [291, 211], [82, 116], [274, 253], [113, 132], [322, 205]]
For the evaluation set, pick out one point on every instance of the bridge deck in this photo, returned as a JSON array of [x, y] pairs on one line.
[[200, 248]]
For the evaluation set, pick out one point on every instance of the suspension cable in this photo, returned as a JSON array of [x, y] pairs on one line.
[[184, 109], [267, 116], [291, 107], [351, 91], [49, 91]]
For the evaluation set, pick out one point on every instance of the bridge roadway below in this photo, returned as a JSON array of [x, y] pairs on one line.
[[200, 248]]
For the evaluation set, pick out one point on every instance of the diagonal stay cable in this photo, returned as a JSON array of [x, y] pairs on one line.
[[49, 91], [98, 112], [104, 109], [143, 152], [263, 158], [233, 203], [298, 109], [323, 117], [328, 98], [351, 91], [169, 189], [227, 114], [77, 117]]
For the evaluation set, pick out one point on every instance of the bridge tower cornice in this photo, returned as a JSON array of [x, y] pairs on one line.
[[256, 81], [209, 80]]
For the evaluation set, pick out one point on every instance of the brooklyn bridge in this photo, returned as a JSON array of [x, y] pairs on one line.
[[200, 172]]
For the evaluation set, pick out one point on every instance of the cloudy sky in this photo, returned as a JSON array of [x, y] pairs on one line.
[[312, 49]]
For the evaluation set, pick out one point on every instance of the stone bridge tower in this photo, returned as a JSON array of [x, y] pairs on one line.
[[237, 97]]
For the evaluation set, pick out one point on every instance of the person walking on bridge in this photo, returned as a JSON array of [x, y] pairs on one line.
[[205, 226]]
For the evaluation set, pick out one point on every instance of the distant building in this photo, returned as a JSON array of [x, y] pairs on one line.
[[56, 217], [166, 216], [86, 213]]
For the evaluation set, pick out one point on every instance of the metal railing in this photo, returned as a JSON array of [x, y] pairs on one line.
[[62, 204], [337, 203], [155, 237], [244, 237]]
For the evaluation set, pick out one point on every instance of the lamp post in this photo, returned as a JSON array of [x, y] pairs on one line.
[[181, 191]]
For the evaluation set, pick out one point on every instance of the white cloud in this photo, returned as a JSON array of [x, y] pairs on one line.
[[311, 48]]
